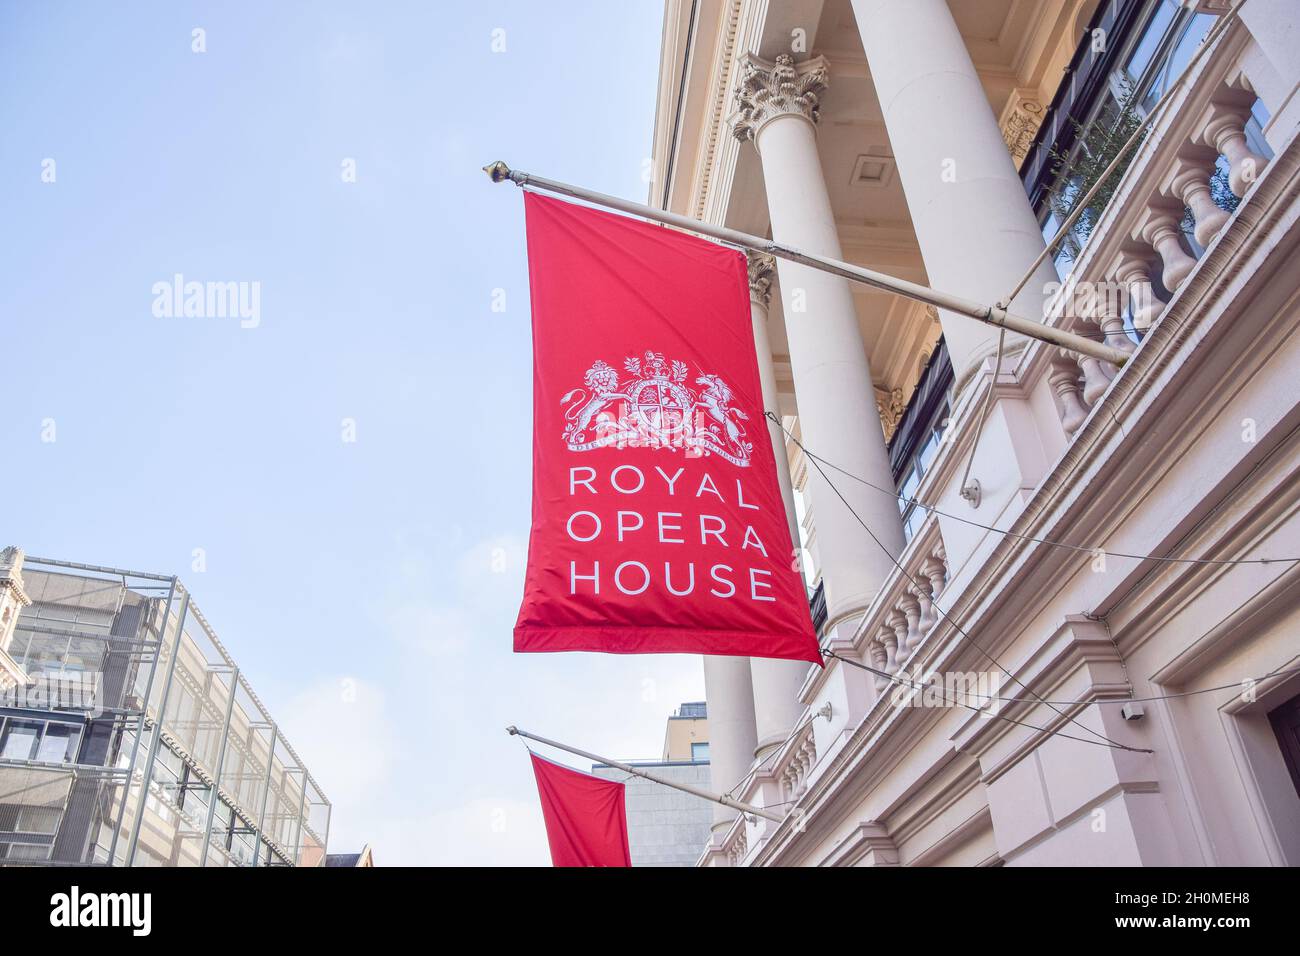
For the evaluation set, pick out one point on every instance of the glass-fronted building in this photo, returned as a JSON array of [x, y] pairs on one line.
[[129, 737]]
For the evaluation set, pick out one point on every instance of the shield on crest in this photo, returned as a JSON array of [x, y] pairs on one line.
[[662, 405]]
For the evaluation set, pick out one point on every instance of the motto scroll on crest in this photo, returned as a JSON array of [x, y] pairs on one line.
[[654, 406]]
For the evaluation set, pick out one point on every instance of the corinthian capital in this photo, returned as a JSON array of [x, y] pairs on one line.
[[767, 90], [762, 270]]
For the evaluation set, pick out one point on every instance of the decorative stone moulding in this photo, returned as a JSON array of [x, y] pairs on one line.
[[1179, 166], [13, 598], [1189, 182], [762, 270], [766, 91], [1226, 132], [1133, 270], [1161, 229], [906, 621], [1020, 119]]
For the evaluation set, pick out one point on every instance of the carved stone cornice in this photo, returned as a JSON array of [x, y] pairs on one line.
[[762, 270], [11, 566], [890, 406], [869, 844], [1020, 119], [13, 598], [768, 90]]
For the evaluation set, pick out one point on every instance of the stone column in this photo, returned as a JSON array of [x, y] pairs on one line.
[[776, 683], [777, 109], [762, 272], [972, 219], [731, 729]]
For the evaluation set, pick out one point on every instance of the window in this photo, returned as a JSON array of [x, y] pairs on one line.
[[1145, 49], [25, 851], [43, 820], [919, 436], [1151, 55], [807, 563], [59, 744], [700, 751], [224, 822], [19, 739], [241, 846], [1061, 258], [1187, 37], [1286, 727], [927, 449], [44, 741]]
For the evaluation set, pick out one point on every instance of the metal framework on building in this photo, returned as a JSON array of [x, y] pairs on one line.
[[163, 718]]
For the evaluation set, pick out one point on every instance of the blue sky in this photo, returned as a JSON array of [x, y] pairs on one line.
[[366, 587]]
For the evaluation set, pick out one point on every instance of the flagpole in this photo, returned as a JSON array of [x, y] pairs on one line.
[[989, 314], [721, 798]]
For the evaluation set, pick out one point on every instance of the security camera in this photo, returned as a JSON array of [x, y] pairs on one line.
[[1132, 711]]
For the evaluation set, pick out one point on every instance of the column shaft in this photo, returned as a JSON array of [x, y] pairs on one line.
[[832, 374], [730, 698], [972, 219], [776, 683]]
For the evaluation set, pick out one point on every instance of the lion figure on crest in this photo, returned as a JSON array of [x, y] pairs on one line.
[[587, 403]]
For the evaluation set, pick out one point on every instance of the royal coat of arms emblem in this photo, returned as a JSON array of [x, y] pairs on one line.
[[653, 404]]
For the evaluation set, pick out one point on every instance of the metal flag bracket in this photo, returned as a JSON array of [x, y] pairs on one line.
[[994, 315]]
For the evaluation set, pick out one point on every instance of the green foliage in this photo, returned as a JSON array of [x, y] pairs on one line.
[[1095, 148], [1077, 171]]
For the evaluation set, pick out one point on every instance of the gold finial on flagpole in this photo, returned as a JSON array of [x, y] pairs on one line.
[[497, 172]]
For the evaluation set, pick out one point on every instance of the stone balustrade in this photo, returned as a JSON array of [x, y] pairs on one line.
[[1143, 238], [896, 626], [899, 624], [736, 843], [779, 782], [793, 764]]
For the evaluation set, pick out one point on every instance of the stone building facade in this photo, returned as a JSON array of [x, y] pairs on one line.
[[1110, 550]]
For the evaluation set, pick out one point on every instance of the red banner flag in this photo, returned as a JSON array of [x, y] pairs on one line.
[[658, 526], [586, 816]]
